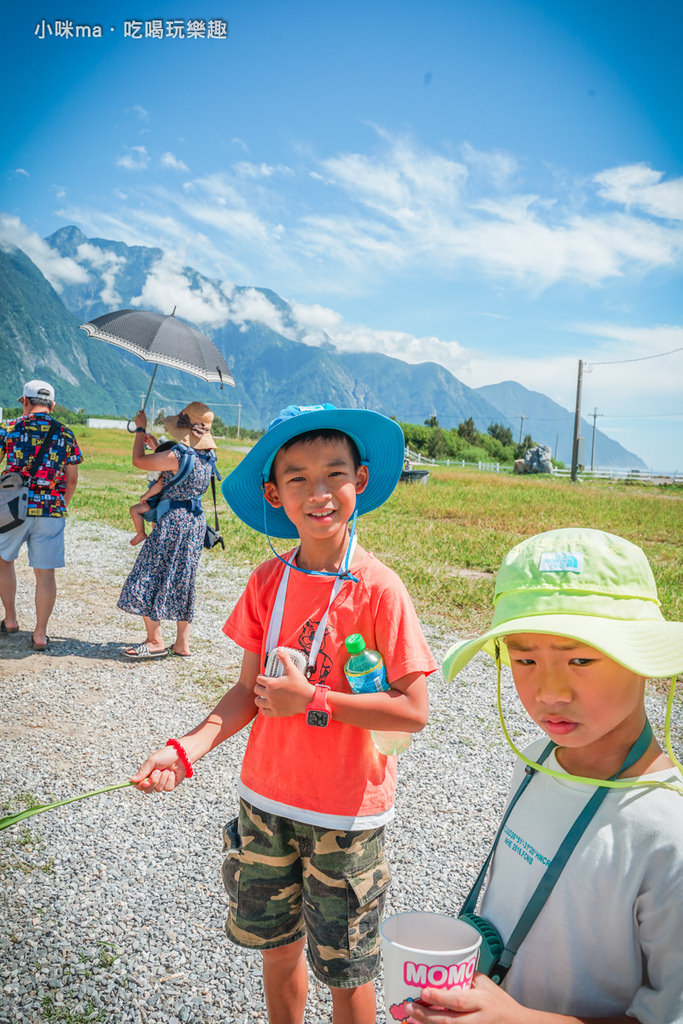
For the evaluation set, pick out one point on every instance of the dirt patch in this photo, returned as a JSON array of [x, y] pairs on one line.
[[475, 574]]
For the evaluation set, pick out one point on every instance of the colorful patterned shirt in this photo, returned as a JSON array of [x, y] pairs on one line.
[[20, 441]]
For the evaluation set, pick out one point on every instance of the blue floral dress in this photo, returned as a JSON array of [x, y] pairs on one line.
[[161, 584]]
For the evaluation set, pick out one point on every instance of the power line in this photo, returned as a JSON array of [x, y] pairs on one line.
[[645, 416], [639, 359]]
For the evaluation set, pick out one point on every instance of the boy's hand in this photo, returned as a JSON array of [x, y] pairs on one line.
[[286, 695], [161, 772], [483, 1003]]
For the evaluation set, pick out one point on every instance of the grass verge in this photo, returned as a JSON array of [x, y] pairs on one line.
[[446, 539]]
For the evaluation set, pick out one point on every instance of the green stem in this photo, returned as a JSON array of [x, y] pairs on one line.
[[12, 819]]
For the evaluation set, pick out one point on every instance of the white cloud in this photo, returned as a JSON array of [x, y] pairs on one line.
[[404, 181], [245, 169], [172, 162], [108, 264], [407, 205], [315, 322], [617, 386], [319, 324], [141, 112], [363, 216], [618, 389], [398, 344], [167, 286], [252, 305], [137, 159], [58, 270], [641, 341], [498, 167], [21, 171], [640, 186]]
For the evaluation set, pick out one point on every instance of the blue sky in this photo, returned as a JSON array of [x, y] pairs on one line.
[[496, 186]]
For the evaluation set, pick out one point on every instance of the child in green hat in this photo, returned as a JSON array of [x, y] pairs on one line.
[[305, 870], [586, 882]]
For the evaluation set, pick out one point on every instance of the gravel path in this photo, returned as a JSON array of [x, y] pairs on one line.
[[113, 908]]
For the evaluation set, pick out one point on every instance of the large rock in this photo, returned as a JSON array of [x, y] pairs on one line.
[[538, 459]]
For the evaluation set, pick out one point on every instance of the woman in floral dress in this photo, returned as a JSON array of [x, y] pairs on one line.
[[161, 584]]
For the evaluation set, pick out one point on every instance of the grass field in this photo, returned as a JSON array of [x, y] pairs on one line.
[[445, 539]]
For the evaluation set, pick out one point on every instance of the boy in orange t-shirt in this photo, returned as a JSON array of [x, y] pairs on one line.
[[305, 862]]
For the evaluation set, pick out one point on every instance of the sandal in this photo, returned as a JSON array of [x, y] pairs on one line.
[[179, 654], [143, 651], [38, 646], [4, 628]]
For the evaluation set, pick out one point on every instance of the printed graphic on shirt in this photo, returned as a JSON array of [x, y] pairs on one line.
[[523, 848], [323, 663], [20, 441]]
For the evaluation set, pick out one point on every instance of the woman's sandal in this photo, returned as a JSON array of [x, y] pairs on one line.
[[143, 651], [4, 628]]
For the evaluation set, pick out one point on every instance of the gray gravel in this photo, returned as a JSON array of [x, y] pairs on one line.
[[113, 908]]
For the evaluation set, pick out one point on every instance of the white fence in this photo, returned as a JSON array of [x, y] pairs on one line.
[[107, 424], [630, 475]]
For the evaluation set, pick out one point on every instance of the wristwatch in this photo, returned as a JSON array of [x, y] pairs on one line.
[[318, 712]]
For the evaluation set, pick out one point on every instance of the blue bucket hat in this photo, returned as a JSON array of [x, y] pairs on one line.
[[378, 439]]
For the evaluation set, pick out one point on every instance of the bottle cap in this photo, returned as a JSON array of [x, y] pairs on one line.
[[355, 643]]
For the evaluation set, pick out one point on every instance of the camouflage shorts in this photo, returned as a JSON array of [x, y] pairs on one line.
[[286, 880]]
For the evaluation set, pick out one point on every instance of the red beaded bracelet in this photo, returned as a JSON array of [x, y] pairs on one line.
[[182, 754]]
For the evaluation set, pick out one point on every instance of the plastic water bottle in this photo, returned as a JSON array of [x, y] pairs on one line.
[[366, 673]]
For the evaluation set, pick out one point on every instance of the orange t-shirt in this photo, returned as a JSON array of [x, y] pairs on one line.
[[333, 777]]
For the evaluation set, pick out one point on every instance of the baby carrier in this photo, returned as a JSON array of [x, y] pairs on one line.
[[160, 505]]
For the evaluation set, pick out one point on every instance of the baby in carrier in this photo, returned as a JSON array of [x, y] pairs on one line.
[[138, 510]]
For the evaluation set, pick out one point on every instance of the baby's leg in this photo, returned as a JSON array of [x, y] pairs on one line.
[[138, 522]]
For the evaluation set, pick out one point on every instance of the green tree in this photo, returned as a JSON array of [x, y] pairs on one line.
[[466, 430], [436, 445], [501, 433], [64, 415], [523, 448]]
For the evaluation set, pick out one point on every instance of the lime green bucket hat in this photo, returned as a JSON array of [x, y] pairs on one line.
[[592, 586]]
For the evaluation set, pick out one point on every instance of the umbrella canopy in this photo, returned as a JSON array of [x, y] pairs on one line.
[[162, 339]]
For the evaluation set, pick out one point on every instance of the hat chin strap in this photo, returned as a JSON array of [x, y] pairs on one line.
[[343, 574], [667, 724], [609, 783]]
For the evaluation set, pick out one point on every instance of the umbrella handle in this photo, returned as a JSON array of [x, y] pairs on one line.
[[131, 430]]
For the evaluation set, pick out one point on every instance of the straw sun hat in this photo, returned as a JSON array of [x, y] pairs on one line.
[[591, 586], [192, 426]]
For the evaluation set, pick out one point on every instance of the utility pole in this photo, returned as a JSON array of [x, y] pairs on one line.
[[521, 426], [595, 416], [577, 422]]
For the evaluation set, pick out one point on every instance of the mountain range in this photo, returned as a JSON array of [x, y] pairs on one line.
[[261, 339]]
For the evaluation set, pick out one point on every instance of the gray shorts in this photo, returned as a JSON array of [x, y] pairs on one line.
[[44, 537], [285, 880]]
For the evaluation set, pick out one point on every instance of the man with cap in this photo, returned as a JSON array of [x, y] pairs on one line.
[[51, 488]]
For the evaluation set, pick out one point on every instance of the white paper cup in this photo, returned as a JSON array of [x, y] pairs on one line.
[[421, 950]]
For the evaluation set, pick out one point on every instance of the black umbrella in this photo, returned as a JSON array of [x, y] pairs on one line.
[[161, 339]]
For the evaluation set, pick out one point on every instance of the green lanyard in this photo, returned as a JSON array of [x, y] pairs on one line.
[[556, 866]]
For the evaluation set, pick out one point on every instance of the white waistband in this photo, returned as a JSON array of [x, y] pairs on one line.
[[357, 823]]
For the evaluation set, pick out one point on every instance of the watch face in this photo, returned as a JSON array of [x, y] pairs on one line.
[[318, 718]]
